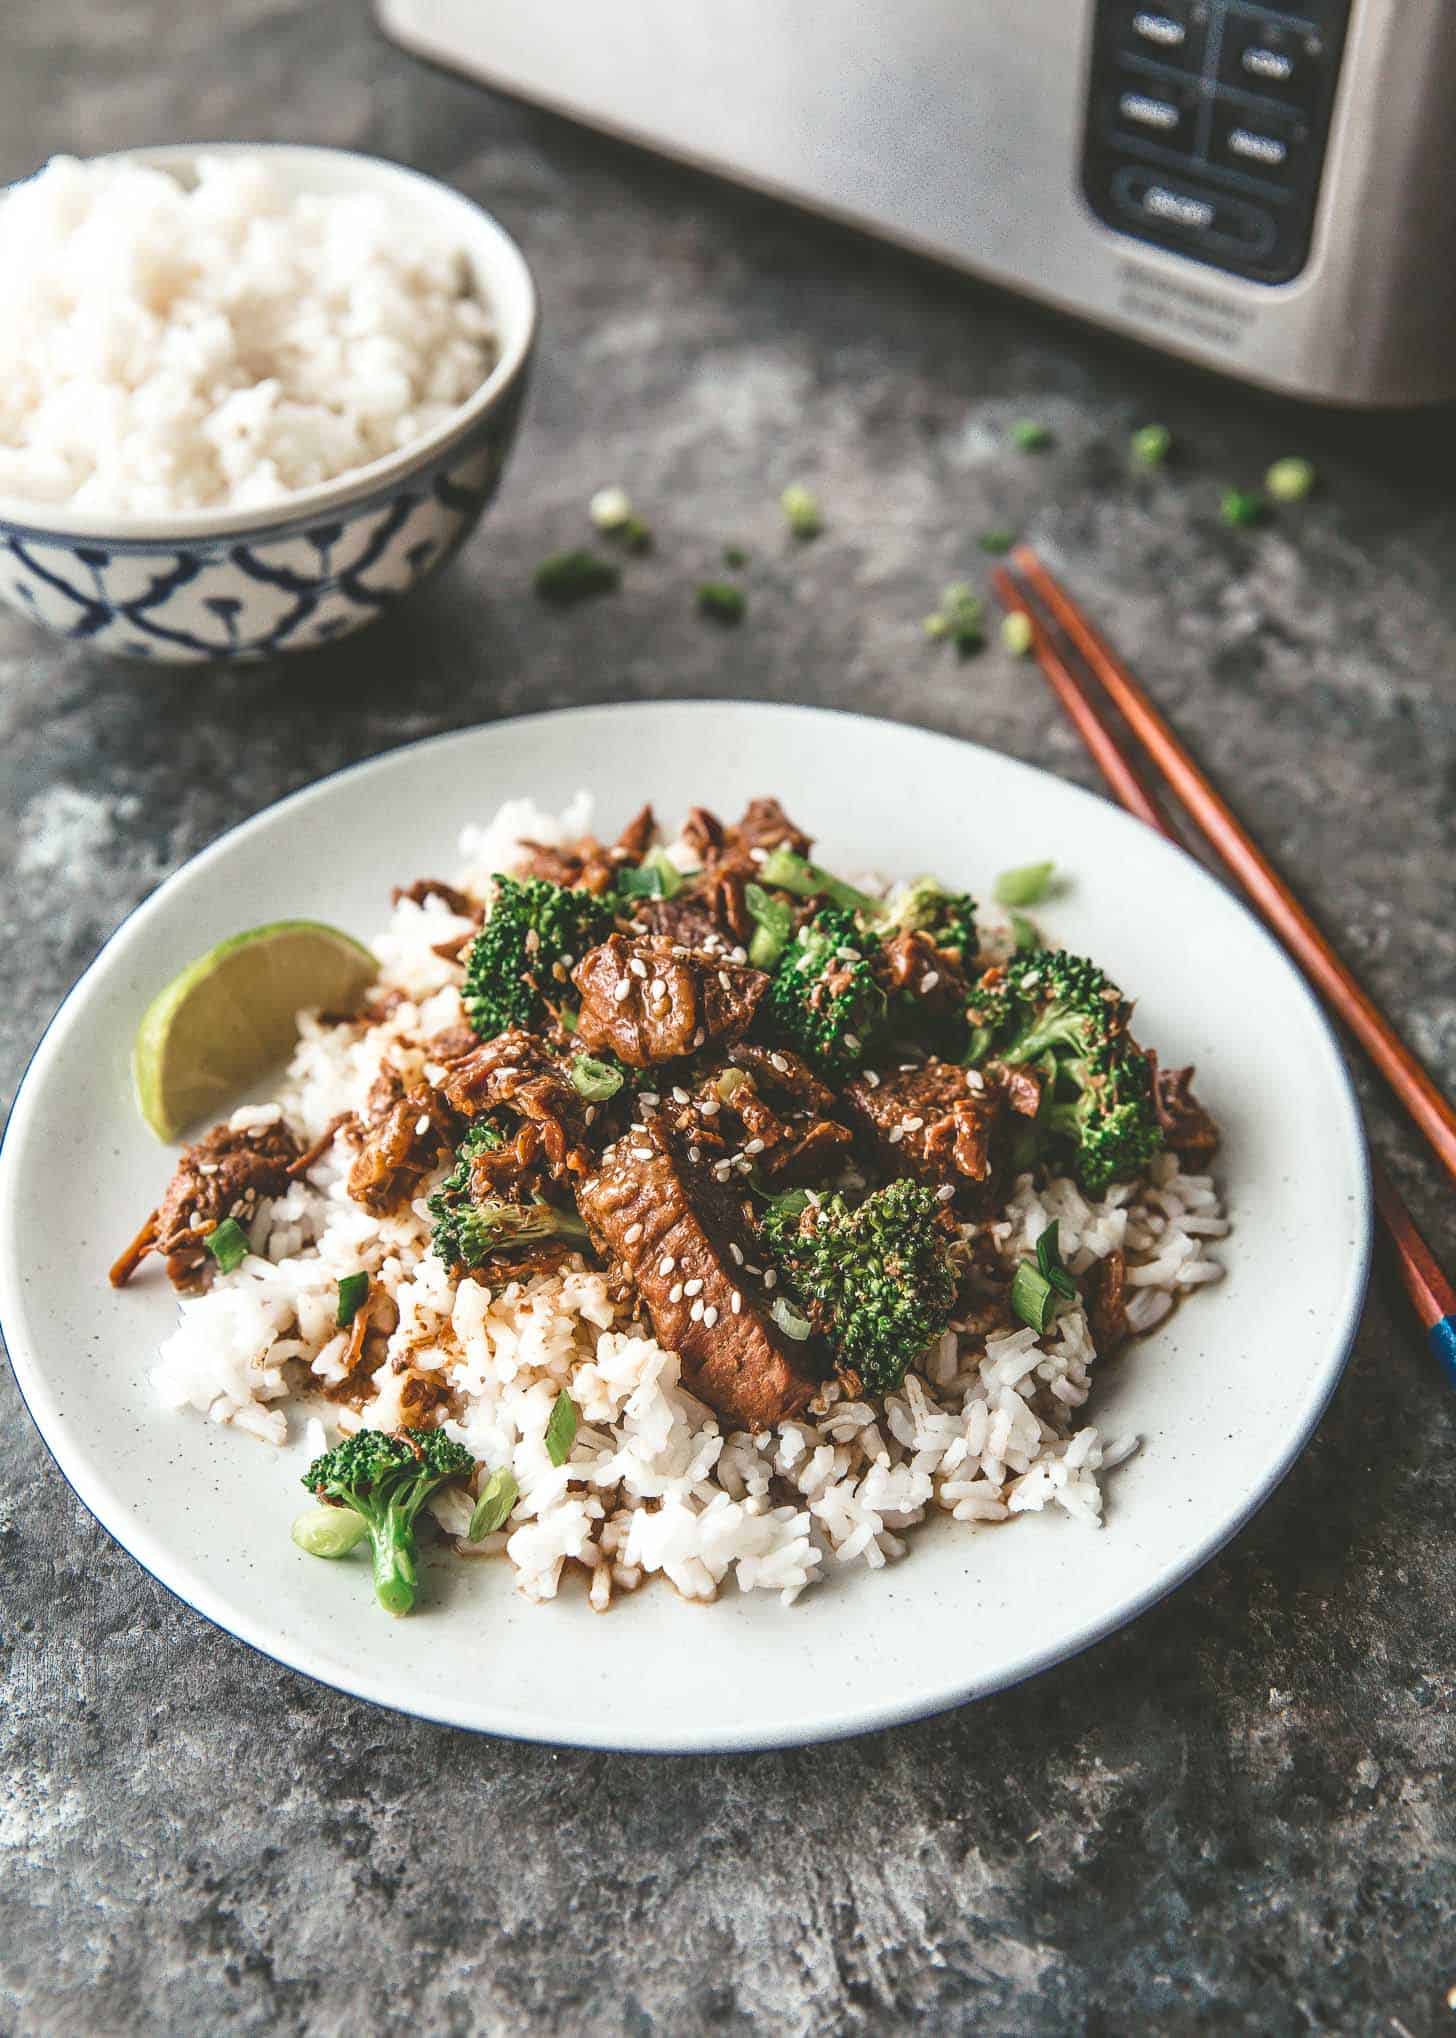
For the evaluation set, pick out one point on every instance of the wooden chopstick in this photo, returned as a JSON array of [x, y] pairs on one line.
[[1431, 1294], [1432, 1113]]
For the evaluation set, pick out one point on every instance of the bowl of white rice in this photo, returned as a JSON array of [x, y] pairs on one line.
[[250, 395]]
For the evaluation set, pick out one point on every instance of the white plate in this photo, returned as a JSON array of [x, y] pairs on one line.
[[1224, 1397]]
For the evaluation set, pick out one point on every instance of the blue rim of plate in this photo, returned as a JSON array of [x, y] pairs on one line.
[[844, 1725]]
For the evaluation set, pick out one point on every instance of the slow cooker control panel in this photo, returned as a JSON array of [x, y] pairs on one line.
[[1207, 124]]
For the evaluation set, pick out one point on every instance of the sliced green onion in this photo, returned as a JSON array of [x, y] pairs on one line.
[[1290, 480], [1033, 1298], [773, 926], [498, 1496], [561, 1429], [793, 1202], [734, 557], [801, 510], [1151, 445], [566, 1019], [1025, 886], [1049, 1262], [595, 1080], [1026, 935], [1242, 507], [610, 508], [352, 1290], [656, 877], [329, 1531], [996, 541], [1016, 633], [568, 577], [721, 601], [228, 1245], [1029, 436], [789, 1321]]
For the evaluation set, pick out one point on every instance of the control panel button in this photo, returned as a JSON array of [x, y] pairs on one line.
[[1160, 111], [1167, 32], [1276, 60], [1257, 141], [1213, 218]]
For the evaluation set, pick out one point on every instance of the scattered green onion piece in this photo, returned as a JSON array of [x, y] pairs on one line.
[[1029, 436], [352, 1290], [793, 1202], [723, 602], [1151, 445], [1033, 1298], [789, 1321], [1026, 886], [228, 1245], [936, 625], [1016, 633], [498, 1496], [329, 1531], [610, 509], [735, 557], [1242, 507], [561, 1429], [569, 577], [801, 510], [566, 1019], [1290, 480], [791, 872], [595, 1080], [1049, 1262], [656, 877], [1026, 935], [997, 541], [773, 926]]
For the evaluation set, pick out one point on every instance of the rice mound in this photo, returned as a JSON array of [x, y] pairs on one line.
[[983, 1429], [168, 349]]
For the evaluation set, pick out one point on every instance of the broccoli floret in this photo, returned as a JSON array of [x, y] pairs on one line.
[[823, 999], [949, 918], [876, 1281], [1061, 1014], [470, 1230], [524, 953], [387, 1480]]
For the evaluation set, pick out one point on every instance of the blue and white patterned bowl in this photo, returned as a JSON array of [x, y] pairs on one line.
[[252, 584]]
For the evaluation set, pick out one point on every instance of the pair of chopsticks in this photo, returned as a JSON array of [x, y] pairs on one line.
[[1035, 591]]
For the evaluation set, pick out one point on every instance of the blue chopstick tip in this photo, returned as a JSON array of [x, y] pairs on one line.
[[1442, 1336]]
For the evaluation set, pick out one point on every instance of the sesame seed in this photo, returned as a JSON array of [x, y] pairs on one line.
[[422, 1124], [975, 1080], [665, 1265], [737, 1251], [637, 966], [750, 1268], [591, 1112], [744, 1167], [872, 1081], [945, 1193], [897, 1133], [710, 1317], [558, 970], [695, 1153], [640, 1153], [770, 1279], [699, 1037], [753, 1146], [737, 1302], [674, 1293], [631, 1235], [779, 1063], [694, 1287], [725, 980], [567, 961], [696, 1312], [623, 991], [709, 1108], [929, 981], [758, 856], [532, 941], [638, 1126], [852, 1042], [912, 1124], [680, 1095], [738, 954], [649, 1099]]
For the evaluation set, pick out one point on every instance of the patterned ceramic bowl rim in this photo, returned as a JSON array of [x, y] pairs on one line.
[[505, 283]]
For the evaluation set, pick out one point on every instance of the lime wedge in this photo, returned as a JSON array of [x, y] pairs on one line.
[[231, 1016]]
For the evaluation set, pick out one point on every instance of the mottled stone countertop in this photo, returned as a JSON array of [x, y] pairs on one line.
[[1233, 1816]]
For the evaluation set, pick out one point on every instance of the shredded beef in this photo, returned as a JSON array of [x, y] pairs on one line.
[[649, 1001], [424, 888], [669, 1228], [406, 1131], [223, 1175], [514, 1073], [1187, 1127], [1106, 1291]]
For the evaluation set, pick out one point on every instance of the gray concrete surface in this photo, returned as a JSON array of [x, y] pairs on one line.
[[1233, 1817]]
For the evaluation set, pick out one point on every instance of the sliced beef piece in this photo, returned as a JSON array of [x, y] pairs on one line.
[[407, 1131], [1187, 1127], [452, 1045], [434, 888], [935, 1121], [910, 964], [763, 826], [516, 1074], [224, 1175], [1020, 1087], [703, 831], [373, 1325], [580, 866], [670, 1229], [782, 1073], [1105, 1285], [636, 838], [783, 1110], [649, 1001], [711, 914]]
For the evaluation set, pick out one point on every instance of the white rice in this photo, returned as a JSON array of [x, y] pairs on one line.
[[168, 349], [984, 1429]]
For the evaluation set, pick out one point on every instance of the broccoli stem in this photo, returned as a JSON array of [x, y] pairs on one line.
[[396, 1566]]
